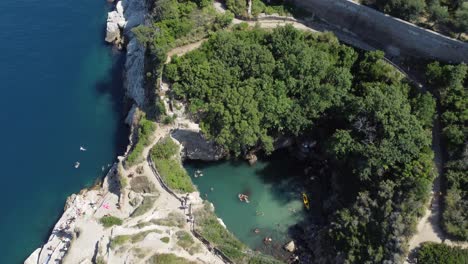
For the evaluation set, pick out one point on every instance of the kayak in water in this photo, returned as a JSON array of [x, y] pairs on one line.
[[306, 200]]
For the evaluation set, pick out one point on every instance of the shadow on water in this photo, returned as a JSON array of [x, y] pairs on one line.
[[114, 86], [286, 174]]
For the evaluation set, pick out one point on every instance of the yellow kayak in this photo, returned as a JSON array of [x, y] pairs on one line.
[[306, 200]]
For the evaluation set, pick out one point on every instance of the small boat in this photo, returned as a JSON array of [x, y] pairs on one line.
[[82, 148], [306, 200], [77, 165]]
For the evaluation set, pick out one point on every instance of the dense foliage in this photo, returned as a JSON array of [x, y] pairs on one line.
[[146, 129], [178, 22], [249, 86], [450, 83], [434, 253], [382, 152], [165, 157], [240, 7], [449, 15], [373, 129]]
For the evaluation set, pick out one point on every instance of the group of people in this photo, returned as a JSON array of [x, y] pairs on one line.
[[184, 202]]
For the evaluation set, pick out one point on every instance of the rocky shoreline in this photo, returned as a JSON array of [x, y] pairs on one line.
[[127, 14]]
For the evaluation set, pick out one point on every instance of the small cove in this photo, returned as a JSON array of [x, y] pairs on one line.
[[274, 186]]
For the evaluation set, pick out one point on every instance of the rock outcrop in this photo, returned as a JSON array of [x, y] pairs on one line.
[[290, 246], [196, 147], [120, 22], [115, 24], [33, 258], [135, 12]]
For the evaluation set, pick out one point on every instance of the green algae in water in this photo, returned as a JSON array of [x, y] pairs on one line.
[[274, 189]]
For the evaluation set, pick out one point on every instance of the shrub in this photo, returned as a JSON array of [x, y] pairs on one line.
[[184, 239], [165, 239], [434, 253], [210, 228], [140, 236], [108, 221], [119, 240], [145, 131], [140, 253], [167, 120], [100, 260], [174, 175], [122, 239], [173, 219], [169, 167], [145, 206], [164, 149], [168, 259]]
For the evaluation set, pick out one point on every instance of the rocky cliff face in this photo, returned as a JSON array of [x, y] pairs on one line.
[[196, 147], [127, 15]]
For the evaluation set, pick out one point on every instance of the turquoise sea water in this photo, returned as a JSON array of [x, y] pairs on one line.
[[61, 87], [274, 187]]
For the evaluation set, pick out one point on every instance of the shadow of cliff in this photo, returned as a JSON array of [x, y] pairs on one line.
[[113, 85]]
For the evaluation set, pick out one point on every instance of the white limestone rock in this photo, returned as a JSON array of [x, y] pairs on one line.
[[290, 246], [34, 257], [115, 23]]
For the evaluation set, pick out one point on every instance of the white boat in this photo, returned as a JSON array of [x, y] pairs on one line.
[[82, 149], [77, 164]]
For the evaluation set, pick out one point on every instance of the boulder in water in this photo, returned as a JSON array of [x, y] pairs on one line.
[[252, 158], [290, 246], [115, 24]]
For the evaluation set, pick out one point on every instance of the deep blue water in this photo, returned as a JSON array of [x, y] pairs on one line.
[[61, 87]]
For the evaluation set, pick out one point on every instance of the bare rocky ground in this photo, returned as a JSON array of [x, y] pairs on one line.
[[79, 237]]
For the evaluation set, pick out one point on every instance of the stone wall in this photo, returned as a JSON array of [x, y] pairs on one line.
[[385, 32]]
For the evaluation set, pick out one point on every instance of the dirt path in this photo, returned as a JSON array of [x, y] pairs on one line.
[[429, 228], [179, 51]]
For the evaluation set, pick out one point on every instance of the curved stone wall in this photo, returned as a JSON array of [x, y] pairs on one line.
[[385, 32]]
